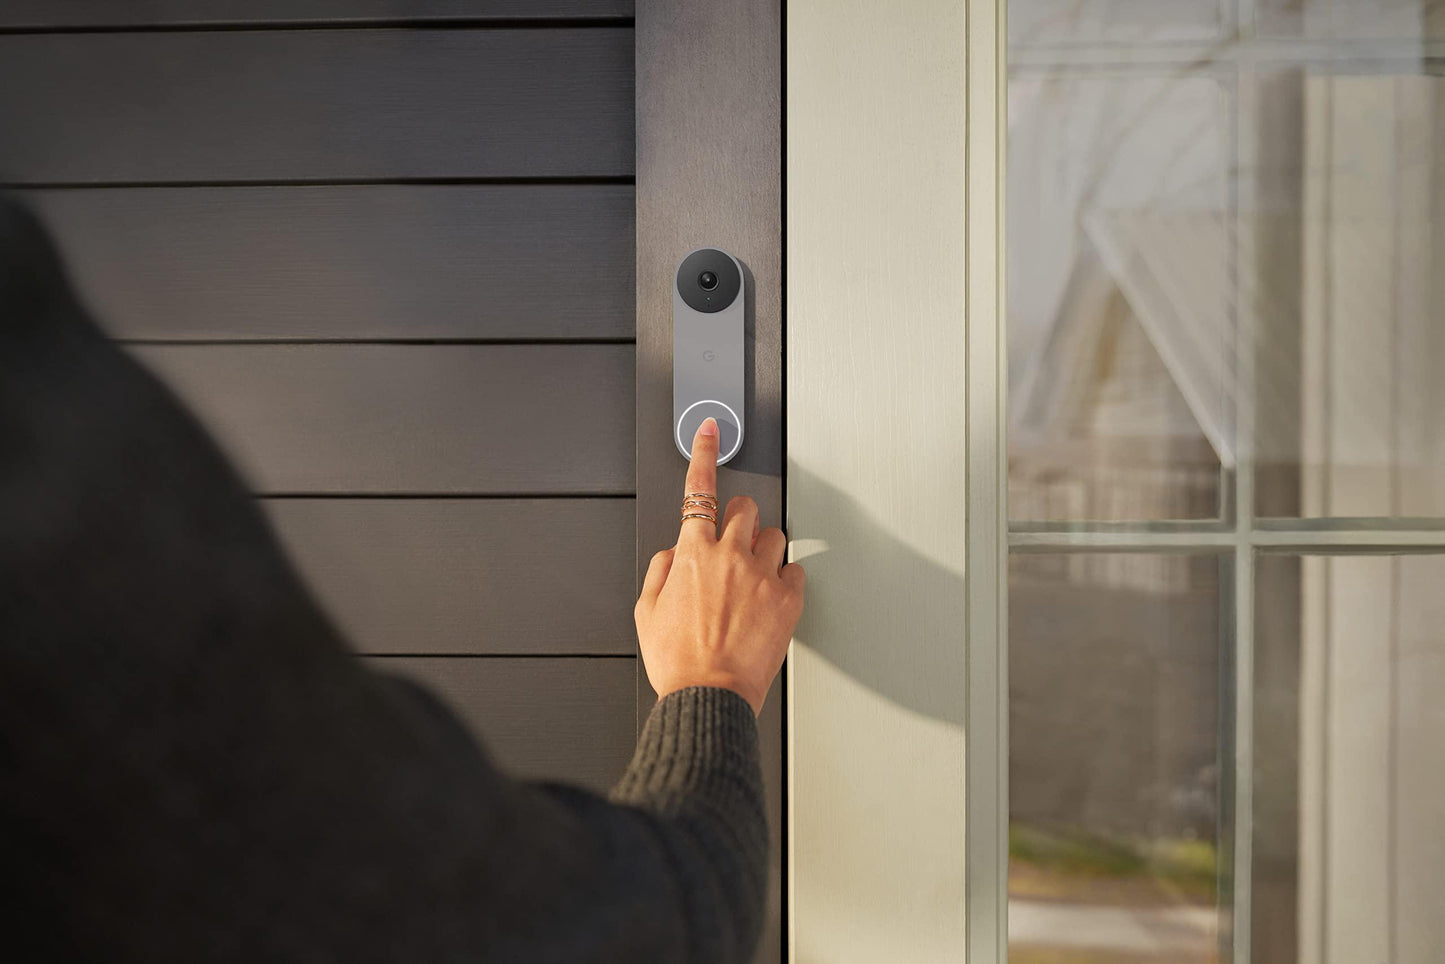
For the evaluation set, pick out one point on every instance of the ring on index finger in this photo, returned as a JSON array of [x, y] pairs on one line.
[[703, 504], [702, 499]]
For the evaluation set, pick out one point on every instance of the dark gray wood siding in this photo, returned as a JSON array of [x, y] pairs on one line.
[[539, 718], [550, 262], [478, 576], [415, 419], [315, 105], [392, 269], [56, 14]]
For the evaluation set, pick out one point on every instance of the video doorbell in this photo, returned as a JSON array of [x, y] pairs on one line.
[[707, 349]]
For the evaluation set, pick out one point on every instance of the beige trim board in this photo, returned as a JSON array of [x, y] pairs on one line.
[[877, 461]]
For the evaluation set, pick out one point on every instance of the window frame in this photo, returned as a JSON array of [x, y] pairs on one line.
[[986, 801], [1237, 537]]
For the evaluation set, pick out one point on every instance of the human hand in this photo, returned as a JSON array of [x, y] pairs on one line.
[[718, 609]]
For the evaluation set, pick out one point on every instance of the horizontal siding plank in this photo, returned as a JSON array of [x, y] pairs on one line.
[[39, 14], [287, 105], [489, 576], [353, 262], [554, 719], [414, 419]]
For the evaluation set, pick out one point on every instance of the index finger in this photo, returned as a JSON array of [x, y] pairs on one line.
[[702, 470]]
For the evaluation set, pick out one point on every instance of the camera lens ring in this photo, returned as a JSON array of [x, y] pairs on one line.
[[707, 280], [687, 282]]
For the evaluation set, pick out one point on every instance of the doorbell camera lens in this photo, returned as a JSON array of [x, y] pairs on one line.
[[708, 280]]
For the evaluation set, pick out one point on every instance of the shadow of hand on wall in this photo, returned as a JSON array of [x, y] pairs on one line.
[[907, 643]]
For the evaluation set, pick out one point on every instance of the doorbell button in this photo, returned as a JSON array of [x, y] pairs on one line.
[[709, 300], [729, 428]]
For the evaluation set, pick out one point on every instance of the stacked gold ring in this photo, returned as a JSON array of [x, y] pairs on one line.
[[705, 501]]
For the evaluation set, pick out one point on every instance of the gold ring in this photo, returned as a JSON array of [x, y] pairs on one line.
[[700, 503], [701, 495], [699, 515]]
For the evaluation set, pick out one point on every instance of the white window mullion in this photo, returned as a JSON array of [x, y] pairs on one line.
[[1246, 340]]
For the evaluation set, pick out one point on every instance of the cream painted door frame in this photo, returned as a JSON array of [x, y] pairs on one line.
[[895, 361]]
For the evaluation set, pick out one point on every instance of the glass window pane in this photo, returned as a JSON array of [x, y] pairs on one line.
[[1119, 307], [1114, 768], [1038, 22], [1349, 788], [1243, 232], [1351, 19], [1349, 285]]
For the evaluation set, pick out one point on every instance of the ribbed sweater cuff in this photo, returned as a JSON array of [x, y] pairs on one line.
[[699, 740]]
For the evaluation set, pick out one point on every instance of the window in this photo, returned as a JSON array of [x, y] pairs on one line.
[[1226, 480]]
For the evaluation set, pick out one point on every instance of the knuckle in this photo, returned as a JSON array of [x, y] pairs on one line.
[[739, 503]]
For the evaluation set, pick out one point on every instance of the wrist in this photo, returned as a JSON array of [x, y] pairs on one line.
[[723, 681]]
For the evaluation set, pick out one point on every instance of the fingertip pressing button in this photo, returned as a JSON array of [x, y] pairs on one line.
[[730, 431]]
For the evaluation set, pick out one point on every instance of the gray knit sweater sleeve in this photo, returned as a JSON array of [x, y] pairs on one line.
[[671, 869], [697, 771]]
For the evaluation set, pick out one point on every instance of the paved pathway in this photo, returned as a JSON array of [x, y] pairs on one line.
[[1135, 930]]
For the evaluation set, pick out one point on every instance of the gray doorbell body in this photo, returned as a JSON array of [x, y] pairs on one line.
[[707, 349]]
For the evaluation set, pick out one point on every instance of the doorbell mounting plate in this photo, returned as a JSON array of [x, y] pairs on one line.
[[708, 300]]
